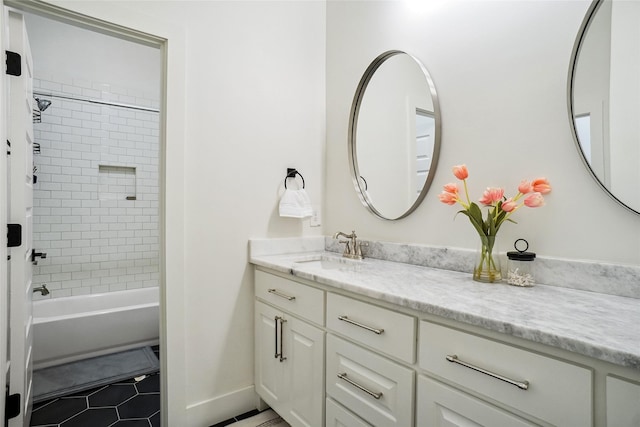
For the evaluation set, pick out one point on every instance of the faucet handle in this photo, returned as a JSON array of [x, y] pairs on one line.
[[359, 249]]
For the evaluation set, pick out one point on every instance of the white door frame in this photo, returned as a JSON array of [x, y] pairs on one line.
[[115, 18], [3, 236]]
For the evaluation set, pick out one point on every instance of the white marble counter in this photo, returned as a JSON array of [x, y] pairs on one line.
[[605, 327]]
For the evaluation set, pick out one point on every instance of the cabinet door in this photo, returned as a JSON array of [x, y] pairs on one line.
[[623, 403], [442, 406], [269, 371], [304, 365]]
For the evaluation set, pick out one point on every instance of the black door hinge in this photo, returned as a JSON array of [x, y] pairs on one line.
[[11, 407], [14, 63], [14, 235], [9, 147]]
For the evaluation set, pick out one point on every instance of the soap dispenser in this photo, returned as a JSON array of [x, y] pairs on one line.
[[520, 264]]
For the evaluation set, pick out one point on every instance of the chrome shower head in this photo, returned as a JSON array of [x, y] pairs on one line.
[[43, 104]]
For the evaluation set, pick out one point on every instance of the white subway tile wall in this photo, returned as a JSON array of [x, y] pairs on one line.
[[92, 158]]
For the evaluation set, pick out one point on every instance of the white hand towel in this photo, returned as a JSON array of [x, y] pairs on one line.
[[295, 204]]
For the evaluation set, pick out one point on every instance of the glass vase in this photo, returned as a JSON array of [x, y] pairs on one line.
[[487, 266]]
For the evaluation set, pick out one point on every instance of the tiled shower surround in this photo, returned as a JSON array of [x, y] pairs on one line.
[[96, 196]]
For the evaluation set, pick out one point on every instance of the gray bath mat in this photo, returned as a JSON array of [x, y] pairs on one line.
[[74, 377]]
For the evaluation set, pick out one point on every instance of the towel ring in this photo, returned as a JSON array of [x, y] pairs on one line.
[[291, 173]]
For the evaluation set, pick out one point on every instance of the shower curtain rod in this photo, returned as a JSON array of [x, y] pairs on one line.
[[96, 101]]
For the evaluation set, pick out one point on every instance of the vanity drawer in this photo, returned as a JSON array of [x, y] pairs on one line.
[[384, 330], [337, 416], [556, 391], [299, 299], [371, 386]]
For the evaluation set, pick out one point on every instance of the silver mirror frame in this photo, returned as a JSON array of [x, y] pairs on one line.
[[584, 27], [353, 128]]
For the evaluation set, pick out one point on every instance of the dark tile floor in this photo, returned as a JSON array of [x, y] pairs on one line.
[[127, 403]]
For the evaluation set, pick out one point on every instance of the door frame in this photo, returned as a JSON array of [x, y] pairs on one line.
[[116, 19]]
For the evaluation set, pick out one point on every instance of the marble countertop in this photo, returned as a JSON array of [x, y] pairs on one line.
[[605, 327]]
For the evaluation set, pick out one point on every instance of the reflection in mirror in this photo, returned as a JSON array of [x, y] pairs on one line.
[[394, 135], [604, 97]]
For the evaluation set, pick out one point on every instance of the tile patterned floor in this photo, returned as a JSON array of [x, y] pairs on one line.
[[237, 418], [127, 403]]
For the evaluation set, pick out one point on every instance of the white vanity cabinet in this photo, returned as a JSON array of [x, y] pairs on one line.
[[554, 391], [335, 358], [623, 402], [289, 349]]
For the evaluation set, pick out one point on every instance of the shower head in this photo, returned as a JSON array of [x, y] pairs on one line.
[[43, 104]]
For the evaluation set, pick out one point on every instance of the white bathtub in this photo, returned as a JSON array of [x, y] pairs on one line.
[[75, 328]]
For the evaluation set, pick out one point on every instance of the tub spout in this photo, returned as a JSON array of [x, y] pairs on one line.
[[42, 289]]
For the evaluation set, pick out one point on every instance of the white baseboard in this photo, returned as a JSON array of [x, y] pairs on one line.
[[220, 408]]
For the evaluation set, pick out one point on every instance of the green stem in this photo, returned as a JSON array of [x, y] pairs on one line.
[[466, 191]]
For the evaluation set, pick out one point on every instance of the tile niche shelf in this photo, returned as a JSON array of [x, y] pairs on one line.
[[116, 182]]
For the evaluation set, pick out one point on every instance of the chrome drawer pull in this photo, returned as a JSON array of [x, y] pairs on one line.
[[368, 328], [280, 294], [343, 376], [523, 385]]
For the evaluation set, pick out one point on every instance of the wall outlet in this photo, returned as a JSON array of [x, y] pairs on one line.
[[316, 218]]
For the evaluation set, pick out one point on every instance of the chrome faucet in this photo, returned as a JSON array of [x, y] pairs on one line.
[[42, 289], [352, 248]]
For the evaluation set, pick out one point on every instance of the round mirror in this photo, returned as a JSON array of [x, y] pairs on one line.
[[394, 135], [604, 97]]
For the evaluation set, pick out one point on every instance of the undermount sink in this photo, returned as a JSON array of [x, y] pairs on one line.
[[328, 262]]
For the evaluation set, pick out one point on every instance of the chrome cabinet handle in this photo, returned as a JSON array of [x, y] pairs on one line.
[[281, 295], [279, 351], [343, 376], [523, 385], [353, 322]]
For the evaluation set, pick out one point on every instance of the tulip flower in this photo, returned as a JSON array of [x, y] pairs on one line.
[[451, 188], [541, 185], [534, 200], [525, 187], [491, 196], [509, 205], [461, 172], [448, 198]]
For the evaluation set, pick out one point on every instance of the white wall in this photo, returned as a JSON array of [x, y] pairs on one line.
[[255, 106], [500, 69]]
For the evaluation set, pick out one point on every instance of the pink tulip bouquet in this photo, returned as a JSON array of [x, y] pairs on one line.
[[501, 208]]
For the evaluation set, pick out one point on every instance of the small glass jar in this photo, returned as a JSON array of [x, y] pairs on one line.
[[520, 265]]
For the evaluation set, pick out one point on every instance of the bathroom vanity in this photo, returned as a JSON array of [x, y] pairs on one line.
[[376, 343]]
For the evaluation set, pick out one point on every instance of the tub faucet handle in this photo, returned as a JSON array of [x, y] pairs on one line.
[[42, 289], [35, 255]]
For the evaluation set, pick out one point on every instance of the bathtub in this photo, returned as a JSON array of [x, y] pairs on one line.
[[74, 328]]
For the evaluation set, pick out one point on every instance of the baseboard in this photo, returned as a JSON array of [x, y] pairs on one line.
[[221, 408]]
